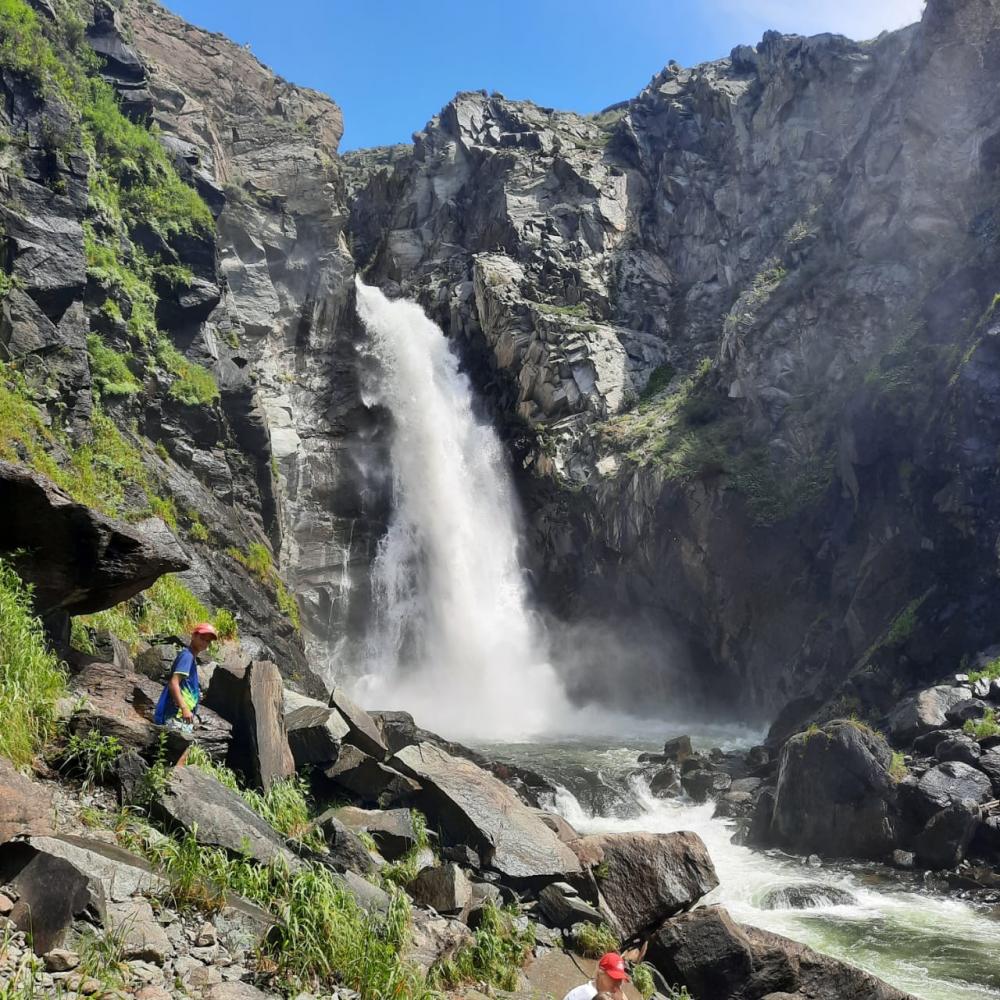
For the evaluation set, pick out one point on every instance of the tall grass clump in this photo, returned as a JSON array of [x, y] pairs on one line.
[[31, 678]]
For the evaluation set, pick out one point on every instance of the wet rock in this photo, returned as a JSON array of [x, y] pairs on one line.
[[745, 785], [947, 784], [903, 859], [26, 806], [471, 806], [364, 734], [946, 837], [77, 560], [370, 781], [315, 733], [806, 897], [989, 764], [733, 805], [701, 784], [713, 956], [761, 817], [196, 803], [392, 829], [665, 782], [924, 712], [678, 749], [563, 908], [445, 889], [961, 748], [347, 852], [559, 826], [646, 877], [834, 795], [927, 743]]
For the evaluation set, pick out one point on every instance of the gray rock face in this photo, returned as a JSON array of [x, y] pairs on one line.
[[834, 795], [562, 907], [444, 888], [315, 733], [470, 806], [364, 734], [78, 560], [391, 829], [924, 712], [646, 877], [372, 782], [713, 956], [196, 802]]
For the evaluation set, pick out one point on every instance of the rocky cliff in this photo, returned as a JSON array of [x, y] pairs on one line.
[[740, 329], [737, 331]]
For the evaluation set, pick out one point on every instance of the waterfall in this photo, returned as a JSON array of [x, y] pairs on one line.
[[453, 638]]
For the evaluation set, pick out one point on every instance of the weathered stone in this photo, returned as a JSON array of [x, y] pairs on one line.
[[370, 781], [924, 712], [142, 938], [77, 560], [562, 906], [434, 939], [989, 764], [392, 829], [944, 840], [949, 783], [701, 784], [347, 853], [834, 795], [665, 782], [61, 960], [471, 806], [713, 956], [967, 710], [197, 803], [677, 749], [646, 877], [25, 806], [315, 733], [961, 748], [559, 826], [260, 743], [444, 888], [364, 734]]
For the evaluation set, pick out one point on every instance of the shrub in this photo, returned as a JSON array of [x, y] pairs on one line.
[[593, 940], [109, 370], [404, 870], [31, 679], [897, 767], [990, 672], [91, 756], [226, 624], [192, 385], [981, 729], [642, 979], [659, 379]]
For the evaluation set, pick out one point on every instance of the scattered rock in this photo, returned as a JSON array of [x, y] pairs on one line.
[[392, 830], [665, 782], [700, 784], [315, 733], [364, 734], [562, 906], [806, 897], [646, 877], [444, 888], [563, 830], [142, 937], [946, 837], [260, 744], [948, 783], [61, 960], [961, 748], [347, 853], [434, 939], [989, 764], [369, 780], [903, 859], [969, 710], [677, 749], [924, 712], [26, 806]]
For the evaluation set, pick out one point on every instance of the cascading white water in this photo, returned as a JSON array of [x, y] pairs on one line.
[[453, 638]]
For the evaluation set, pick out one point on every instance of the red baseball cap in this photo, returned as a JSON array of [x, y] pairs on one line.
[[205, 628], [613, 965]]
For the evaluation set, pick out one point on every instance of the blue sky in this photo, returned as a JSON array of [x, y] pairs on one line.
[[392, 64]]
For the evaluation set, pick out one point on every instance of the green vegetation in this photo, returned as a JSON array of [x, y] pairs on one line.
[[168, 607], [981, 729], [642, 979], [31, 679], [498, 951], [593, 940], [659, 379], [109, 370], [774, 494], [91, 756], [897, 768], [285, 806], [403, 871], [579, 310], [990, 672], [904, 623], [193, 385], [258, 560]]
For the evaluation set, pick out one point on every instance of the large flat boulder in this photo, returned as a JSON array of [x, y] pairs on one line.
[[834, 795], [924, 712], [713, 956], [78, 560], [25, 806], [472, 807], [364, 733], [370, 781], [646, 877], [197, 803]]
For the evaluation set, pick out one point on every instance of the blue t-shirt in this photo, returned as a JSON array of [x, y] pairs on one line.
[[187, 666]]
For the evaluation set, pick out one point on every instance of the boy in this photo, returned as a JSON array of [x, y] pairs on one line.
[[177, 704]]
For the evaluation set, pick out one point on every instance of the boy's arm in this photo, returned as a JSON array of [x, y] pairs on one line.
[[175, 693]]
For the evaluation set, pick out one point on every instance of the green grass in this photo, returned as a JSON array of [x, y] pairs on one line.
[[659, 379], [981, 729], [495, 957], [904, 623], [193, 385], [257, 559], [897, 768], [109, 370], [403, 871], [91, 757], [31, 678], [990, 672], [593, 940]]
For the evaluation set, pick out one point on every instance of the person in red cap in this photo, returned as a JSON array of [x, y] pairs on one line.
[[181, 693], [609, 978]]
